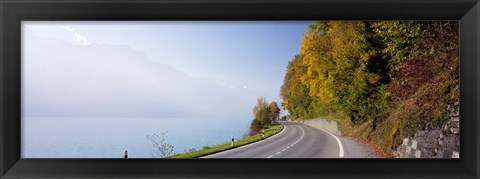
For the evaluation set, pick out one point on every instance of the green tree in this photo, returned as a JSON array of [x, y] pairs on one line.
[[296, 99], [400, 39]]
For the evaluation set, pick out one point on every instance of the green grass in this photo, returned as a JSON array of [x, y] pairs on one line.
[[206, 150]]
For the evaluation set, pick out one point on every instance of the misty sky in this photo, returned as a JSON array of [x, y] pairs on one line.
[[154, 69]]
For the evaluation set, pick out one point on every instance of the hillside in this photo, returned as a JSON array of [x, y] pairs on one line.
[[382, 81]]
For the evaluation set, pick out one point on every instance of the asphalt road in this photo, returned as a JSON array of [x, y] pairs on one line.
[[297, 140]]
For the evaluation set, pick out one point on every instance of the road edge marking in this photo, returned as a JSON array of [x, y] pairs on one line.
[[246, 145], [340, 145]]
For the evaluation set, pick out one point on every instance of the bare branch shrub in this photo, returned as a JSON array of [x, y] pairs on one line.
[[161, 148]]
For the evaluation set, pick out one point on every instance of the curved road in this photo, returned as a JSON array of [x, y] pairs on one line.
[[298, 140]]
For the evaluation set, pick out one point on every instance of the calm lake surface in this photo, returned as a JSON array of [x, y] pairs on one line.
[[109, 137]]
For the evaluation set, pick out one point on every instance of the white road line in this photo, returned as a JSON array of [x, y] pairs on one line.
[[340, 146], [248, 145], [303, 134]]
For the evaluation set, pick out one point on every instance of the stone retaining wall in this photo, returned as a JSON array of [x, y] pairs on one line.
[[434, 142]]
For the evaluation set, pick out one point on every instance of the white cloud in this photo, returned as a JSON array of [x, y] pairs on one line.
[[82, 39], [245, 87], [68, 28], [77, 37]]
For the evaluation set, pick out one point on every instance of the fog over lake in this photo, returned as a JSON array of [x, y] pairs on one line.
[[109, 137], [92, 90], [115, 80]]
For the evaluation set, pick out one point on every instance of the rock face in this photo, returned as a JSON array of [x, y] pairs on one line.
[[434, 142], [324, 124]]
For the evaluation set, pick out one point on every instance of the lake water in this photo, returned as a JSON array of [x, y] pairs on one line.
[[109, 137]]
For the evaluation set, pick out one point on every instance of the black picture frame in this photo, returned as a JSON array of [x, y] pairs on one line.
[[12, 12]]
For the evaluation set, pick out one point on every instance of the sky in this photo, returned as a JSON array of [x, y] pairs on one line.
[[154, 68]]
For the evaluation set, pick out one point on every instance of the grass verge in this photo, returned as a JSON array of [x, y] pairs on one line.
[[207, 150]]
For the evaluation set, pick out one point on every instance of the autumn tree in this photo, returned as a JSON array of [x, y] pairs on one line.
[[336, 54], [400, 73], [261, 115], [296, 99], [274, 111]]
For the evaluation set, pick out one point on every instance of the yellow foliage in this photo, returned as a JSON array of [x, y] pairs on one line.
[[331, 55]]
